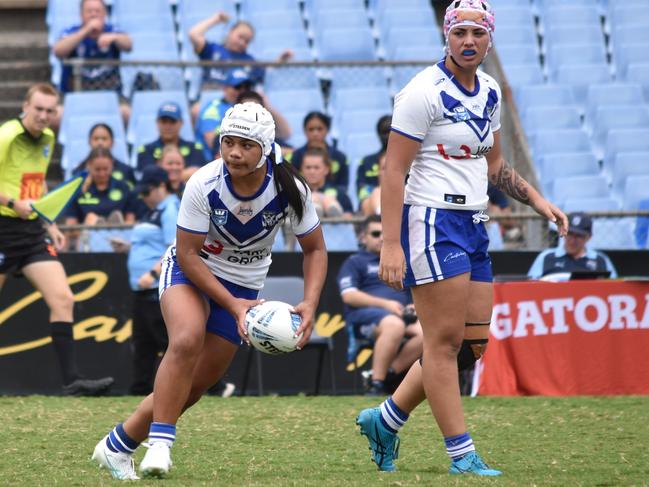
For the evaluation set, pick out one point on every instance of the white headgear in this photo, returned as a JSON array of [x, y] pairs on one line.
[[251, 121]]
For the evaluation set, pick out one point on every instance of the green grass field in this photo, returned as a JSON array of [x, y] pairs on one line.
[[304, 441]]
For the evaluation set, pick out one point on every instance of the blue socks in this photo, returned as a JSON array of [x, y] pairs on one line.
[[162, 433], [458, 446], [392, 417], [119, 441]]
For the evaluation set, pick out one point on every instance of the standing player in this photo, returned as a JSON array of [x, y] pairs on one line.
[[26, 246], [445, 131], [229, 215]]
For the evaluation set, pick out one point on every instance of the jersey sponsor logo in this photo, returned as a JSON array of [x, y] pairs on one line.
[[269, 219], [245, 211], [115, 195], [454, 255], [240, 127], [458, 199], [246, 257], [31, 185], [372, 268], [439, 81], [219, 216]]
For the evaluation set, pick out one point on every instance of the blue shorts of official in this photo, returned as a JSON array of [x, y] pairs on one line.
[[440, 243], [365, 320], [219, 322]]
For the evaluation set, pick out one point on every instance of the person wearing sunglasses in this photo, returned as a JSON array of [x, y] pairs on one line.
[[374, 311], [446, 136]]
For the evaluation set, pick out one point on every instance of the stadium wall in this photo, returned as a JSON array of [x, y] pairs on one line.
[[103, 326]]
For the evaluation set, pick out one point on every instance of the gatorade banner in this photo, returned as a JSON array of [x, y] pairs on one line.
[[570, 338], [54, 202]]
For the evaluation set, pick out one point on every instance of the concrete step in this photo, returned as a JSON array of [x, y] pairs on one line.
[[10, 109], [22, 20], [24, 52], [24, 71], [14, 90]]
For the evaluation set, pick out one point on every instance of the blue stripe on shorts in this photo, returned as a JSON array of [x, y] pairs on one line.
[[219, 322], [441, 243]]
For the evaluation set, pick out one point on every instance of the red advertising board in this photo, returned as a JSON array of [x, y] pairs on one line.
[[570, 338]]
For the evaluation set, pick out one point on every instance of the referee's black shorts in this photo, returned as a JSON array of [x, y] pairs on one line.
[[23, 242]]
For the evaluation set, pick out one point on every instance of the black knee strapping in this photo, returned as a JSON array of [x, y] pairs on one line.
[[470, 352]]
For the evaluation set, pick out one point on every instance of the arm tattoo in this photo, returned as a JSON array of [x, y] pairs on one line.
[[509, 181]]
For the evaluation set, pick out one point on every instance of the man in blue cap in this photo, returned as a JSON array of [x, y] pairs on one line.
[[209, 119], [169, 122]]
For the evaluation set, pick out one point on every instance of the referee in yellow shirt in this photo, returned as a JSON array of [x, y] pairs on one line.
[[27, 244]]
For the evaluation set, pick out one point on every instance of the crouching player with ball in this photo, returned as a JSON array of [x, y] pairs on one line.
[[229, 216], [445, 134]]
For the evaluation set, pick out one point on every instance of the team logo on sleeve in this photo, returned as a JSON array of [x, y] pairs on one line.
[[269, 219], [219, 217]]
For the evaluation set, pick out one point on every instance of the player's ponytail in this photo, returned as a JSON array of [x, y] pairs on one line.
[[286, 182]]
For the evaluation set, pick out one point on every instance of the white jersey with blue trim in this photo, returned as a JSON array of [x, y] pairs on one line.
[[455, 128], [239, 231]]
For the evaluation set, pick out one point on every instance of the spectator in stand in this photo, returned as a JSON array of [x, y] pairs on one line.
[[316, 127], [102, 198], [573, 255], [367, 177], [376, 311], [371, 204], [211, 114], [173, 162], [150, 239], [170, 121], [329, 200], [101, 136], [93, 39]]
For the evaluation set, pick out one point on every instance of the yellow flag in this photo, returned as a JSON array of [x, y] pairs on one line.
[[53, 203]]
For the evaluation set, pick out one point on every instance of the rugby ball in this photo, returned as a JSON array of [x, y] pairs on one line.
[[272, 327]]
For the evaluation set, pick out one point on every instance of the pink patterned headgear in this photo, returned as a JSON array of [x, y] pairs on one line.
[[476, 13]]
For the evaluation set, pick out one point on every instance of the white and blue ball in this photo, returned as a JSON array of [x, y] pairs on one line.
[[272, 327]]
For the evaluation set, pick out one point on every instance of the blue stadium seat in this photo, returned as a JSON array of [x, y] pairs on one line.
[[295, 121], [272, 53], [147, 103], [579, 187], [569, 34], [626, 54], [61, 9], [606, 118], [521, 16], [379, 7], [546, 5], [518, 54], [639, 73], [253, 8], [519, 75], [560, 55], [570, 15], [591, 204], [81, 125], [346, 45], [418, 53], [413, 18], [280, 38], [623, 15], [624, 140], [297, 100], [358, 145], [581, 76], [59, 24], [357, 121], [137, 25], [369, 98], [123, 9], [398, 37], [544, 95], [636, 189], [567, 164], [402, 75], [274, 19], [340, 237], [612, 94], [99, 240], [551, 117], [317, 6], [354, 76], [338, 19], [203, 9], [612, 233], [89, 103], [560, 140], [291, 78], [628, 164], [514, 36], [629, 34]]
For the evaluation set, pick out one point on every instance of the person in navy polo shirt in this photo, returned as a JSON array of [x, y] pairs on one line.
[[93, 39], [170, 121], [102, 197], [150, 238], [573, 255], [376, 311]]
